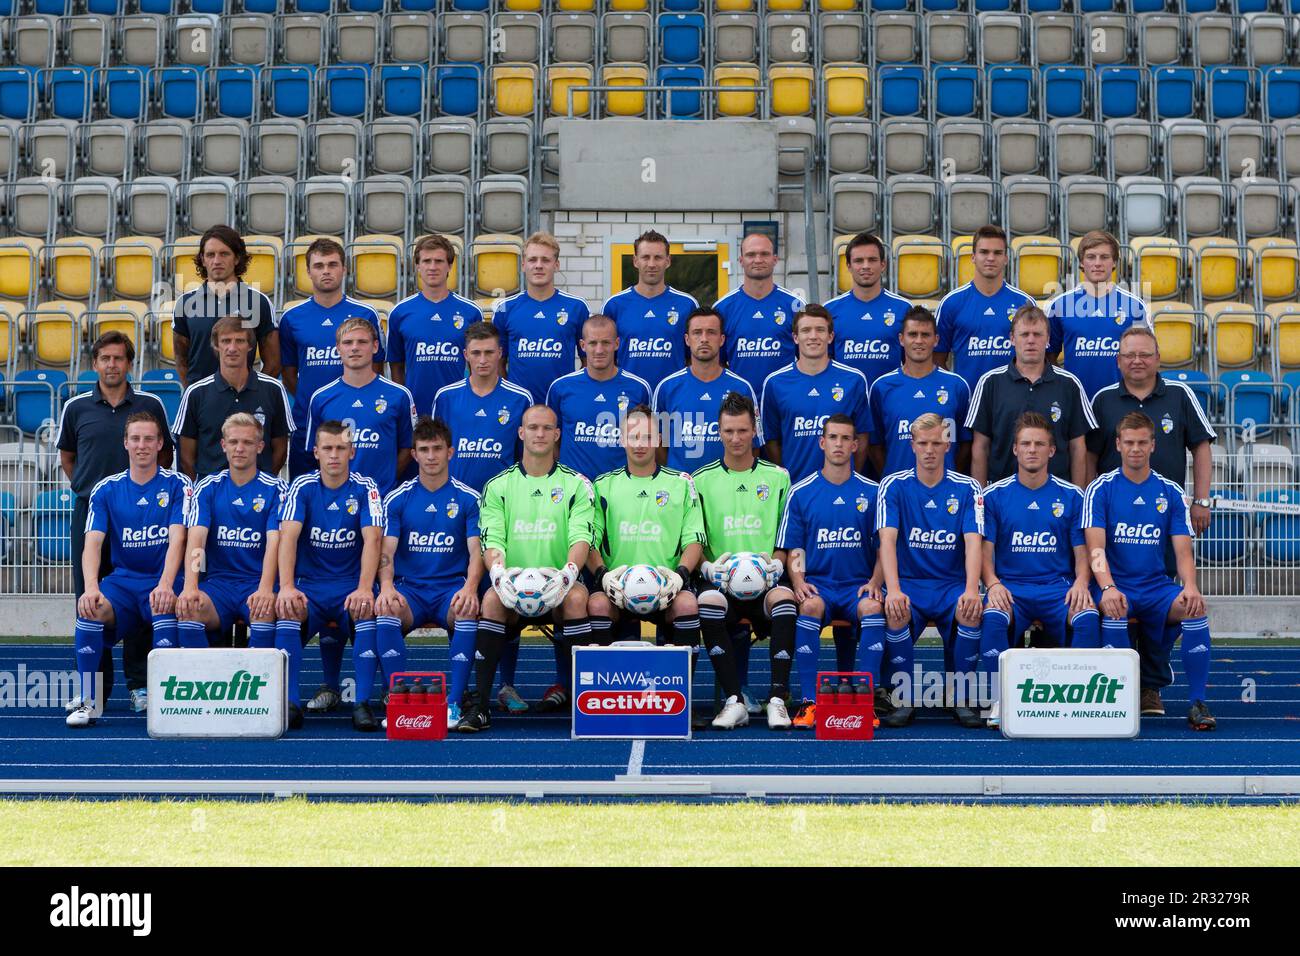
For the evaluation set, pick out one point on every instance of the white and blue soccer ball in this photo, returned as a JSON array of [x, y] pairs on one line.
[[745, 576], [642, 585], [529, 584]]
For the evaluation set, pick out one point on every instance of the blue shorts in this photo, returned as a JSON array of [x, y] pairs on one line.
[[933, 601], [840, 601], [1041, 602], [1149, 602], [128, 593], [429, 604], [229, 595], [325, 604]]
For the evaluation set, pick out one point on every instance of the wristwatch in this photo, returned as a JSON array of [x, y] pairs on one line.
[[1106, 587], [1203, 502]]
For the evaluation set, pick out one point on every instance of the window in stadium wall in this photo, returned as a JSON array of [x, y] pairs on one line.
[[699, 272]]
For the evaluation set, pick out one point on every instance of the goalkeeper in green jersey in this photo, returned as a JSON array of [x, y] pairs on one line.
[[742, 498], [534, 515], [648, 515]]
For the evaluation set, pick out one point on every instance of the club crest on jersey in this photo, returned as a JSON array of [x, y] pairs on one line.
[[779, 316], [163, 499], [381, 404], [453, 509], [661, 498], [1011, 313], [458, 320], [952, 505], [258, 504], [763, 492], [622, 402], [1058, 509], [351, 505], [889, 317], [861, 504], [1162, 504], [941, 396], [261, 417], [503, 415], [837, 393], [1166, 424], [561, 317], [1056, 411], [1119, 319], [557, 495], [673, 315]]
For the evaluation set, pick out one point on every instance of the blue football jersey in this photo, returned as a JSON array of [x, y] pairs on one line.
[[330, 544], [1138, 520], [688, 410], [796, 405], [431, 528], [866, 333], [976, 328], [1034, 530], [835, 527], [540, 338], [429, 336], [485, 429], [136, 518], [238, 519], [381, 414], [930, 523], [651, 331], [590, 415], [759, 332], [1086, 330], [308, 343], [897, 400]]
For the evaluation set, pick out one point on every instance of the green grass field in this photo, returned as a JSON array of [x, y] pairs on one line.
[[297, 832]]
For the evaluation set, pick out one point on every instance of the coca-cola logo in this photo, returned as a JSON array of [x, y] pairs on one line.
[[414, 722], [847, 722]]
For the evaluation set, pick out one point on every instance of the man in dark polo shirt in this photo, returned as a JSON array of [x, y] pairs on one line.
[[209, 401], [92, 429], [222, 260], [1181, 426], [1029, 384]]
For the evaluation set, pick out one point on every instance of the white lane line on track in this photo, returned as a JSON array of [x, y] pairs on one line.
[[635, 758]]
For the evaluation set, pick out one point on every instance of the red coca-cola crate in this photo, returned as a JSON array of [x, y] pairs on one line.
[[845, 716], [421, 715]]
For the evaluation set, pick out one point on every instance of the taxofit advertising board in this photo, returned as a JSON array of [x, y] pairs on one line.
[[216, 692], [1069, 693]]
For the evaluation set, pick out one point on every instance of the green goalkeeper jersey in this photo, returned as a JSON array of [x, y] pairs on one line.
[[742, 509], [649, 520], [535, 520]]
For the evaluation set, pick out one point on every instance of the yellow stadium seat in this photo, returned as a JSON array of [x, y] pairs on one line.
[[1178, 332], [791, 86], [559, 79], [376, 261], [453, 276], [920, 265], [1275, 268], [487, 307], [1234, 329], [837, 6], [625, 74], [1040, 262], [846, 86], [20, 266], [185, 274], [962, 247], [382, 307], [134, 266], [9, 329], [264, 255], [627, 6], [163, 333], [785, 6], [1285, 334], [744, 103], [120, 315], [497, 259], [514, 89], [297, 251], [54, 331], [1219, 267], [575, 6], [1160, 265], [522, 6], [1079, 277], [74, 266], [843, 281]]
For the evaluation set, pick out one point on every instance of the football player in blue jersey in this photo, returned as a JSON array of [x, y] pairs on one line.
[[797, 399], [868, 318], [142, 513], [975, 319], [590, 404], [827, 539], [650, 315], [931, 552], [378, 410], [426, 330], [1088, 320], [1128, 514], [1035, 560], [900, 397], [331, 530], [687, 402], [234, 522], [309, 342], [486, 408], [757, 315], [430, 570], [540, 325]]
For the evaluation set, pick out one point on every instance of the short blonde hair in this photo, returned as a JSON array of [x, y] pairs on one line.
[[356, 323], [926, 422], [541, 238], [240, 420], [1098, 237]]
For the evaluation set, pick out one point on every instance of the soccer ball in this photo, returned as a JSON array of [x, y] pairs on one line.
[[642, 584], [746, 576], [529, 584]]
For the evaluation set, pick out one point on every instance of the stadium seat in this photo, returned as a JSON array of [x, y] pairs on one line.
[[31, 40], [687, 104], [920, 265], [901, 91], [896, 37], [175, 92], [120, 93], [119, 315], [1133, 147], [376, 264], [278, 147], [1220, 267], [1234, 335], [962, 146], [856, 204], [324, 206], [1189, 148], [1146, 206], [1232, 93], [1284, 337], [442, 205], [562, 77], [1067, 92], [1112, 38], [464, 37], [73, 266], [141, 38], [1228, 539], [573, 38], [345, 90], [54, 334], [206, 201], [450, 145], [131, 265], [1177, 92], [1011, 92], [302, 40], [288, 91], [791, 89], [1267, 467], [912, 204], [1279, 534], [247, 39], [497, 262], [951, 37], [789, 37], [163, 148], [1020, 147], [1275, 268], [501, 203], [907, 145], [403, 90], [845, 89], [354, 37], [1281, 93], [1004, 37], [843, 37], [744, 102], [52, 526], [33, 207], [9, 341], [1040, 265], [632, 102], [457, 90], [64, 93], [1160, 266], [969, 202], [20, 267], [409, 37], [681, 38], [957, 91], [1179, 332], [265, 253], [1031, 205], [35, 397], [221, 148], [513, 89]]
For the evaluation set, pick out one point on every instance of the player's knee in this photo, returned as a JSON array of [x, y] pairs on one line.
[[684, 605], [777, 595], [970, 618], [598, 605], [812, 607], [715, 599], [998, 615], [575, 603], [868, 607], [492, 608]]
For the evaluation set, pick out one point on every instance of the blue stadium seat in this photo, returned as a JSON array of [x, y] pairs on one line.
[[344, 90], [1123, 91], [1201, 386], [1067, 92], [54, 8], [312, 6], [108, 8], [1201, 6], [261, 6], [1250, 398], [1243, 7], [86, 380], [890, 6], [462, 6], [1045, 6], [8, 512], [1097, 6], [120, 92], [686, 104], [1280, 534], [36, 392], [17, 94], [288, 91], [162, 7], [1232, 91], [1148, 6], [1281, 93], [1292, 381], [901, 90], [681, 6], [1179, 91], [402, 89], [457, 90], [174, 91], [364, 6], [1227, 538], [65, 93], [208, 6], [681, 38], [166, 384], [52, 525], [232, 92], [1012, 91], [957, 91]]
